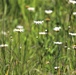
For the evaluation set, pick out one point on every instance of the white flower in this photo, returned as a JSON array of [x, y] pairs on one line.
[[3, 45], [74, 13], [72, 34], [31, 8], [69, 27], [19, 28], [56, 68], [68, 48], [72, 1], [4, 33], [38, 22], [48, 11], [58, 43], [42, 33], [57, 28]]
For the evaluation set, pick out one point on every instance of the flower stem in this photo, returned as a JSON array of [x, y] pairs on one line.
[[19, 45]]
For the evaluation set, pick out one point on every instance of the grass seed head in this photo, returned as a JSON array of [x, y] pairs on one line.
[[47, 19], [27, 6]]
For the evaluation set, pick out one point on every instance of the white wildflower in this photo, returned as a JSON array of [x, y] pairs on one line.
[[38, 22], [68, 48], [57, 28], [58, 43], [4, 33], [4, 45], [74, 13], [72, 34], [56, 68], [42, 33], [72, 1], [48, 11], [69, 27], [31, 8], [19, 28]]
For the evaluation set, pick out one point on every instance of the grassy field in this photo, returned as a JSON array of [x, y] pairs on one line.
[[37, 37]]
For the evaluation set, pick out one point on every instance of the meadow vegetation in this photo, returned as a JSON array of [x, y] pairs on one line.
[[37, 37]]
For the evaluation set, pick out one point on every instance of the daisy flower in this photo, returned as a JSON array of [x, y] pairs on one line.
[[42, 33], [31, 8], [58, 43], [57, 28], [38, 22], [74, 13], [56, 68], [19, 28], [48, 11], [72, 34], [72, 1], [4, 45]]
